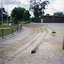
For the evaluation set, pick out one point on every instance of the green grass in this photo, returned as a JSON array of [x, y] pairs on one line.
[[5, 26], [7, 21], [7, 31]]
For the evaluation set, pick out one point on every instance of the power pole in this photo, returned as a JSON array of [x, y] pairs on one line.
[[10, 20], [19, 4], [7, 15], [2, 13], [2, 16]]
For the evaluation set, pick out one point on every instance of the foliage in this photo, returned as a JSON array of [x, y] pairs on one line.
[[58, 14], [7, 21], [26, 15], [38, 7], [7, 31], [4, 13], [24, 22], [2, 10], [17, 14], [5, 26], [47, 14]]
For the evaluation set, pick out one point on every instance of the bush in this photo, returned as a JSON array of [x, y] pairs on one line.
[[24, 22], [12, 21]]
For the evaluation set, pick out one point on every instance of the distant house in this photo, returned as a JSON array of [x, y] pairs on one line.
[[49, 19]]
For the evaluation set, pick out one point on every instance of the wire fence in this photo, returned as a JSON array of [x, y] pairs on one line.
[[7, 31]]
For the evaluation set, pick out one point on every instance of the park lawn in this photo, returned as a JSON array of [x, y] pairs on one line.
[[5, 26], [8, 30]]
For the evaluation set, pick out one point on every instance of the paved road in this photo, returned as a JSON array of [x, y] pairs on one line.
[[13, 39], [55, 24]]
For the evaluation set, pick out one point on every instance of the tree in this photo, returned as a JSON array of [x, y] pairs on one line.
[[58, 14], [4, 13], [26, 15], [2, 10], [17, 13], [47, 14], [38, 7]]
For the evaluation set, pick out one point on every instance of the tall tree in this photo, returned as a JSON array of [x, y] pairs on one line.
[[17, 13], [26, 15], [4, 13], [38, 7]]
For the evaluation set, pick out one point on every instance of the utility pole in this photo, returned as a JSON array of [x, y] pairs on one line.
[[10, 20], [7, 15], [19, 4], [2, 13], [2, 16]]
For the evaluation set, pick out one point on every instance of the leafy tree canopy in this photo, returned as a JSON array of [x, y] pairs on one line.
[[4, 13], [18, 13], [58, 14], [47, 14], [38, 7], [26, 15]]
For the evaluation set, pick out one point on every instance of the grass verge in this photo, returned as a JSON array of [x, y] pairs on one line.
[[5, 26], [7, 30]]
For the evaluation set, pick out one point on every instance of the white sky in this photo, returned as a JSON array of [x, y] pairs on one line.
[[54, 6]]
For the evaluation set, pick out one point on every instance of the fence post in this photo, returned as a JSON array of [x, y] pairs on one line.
[[12, 31], [63, 43], [17, 27], [2, 33]]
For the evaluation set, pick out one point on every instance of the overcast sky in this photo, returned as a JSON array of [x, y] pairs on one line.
[[54, 6]]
